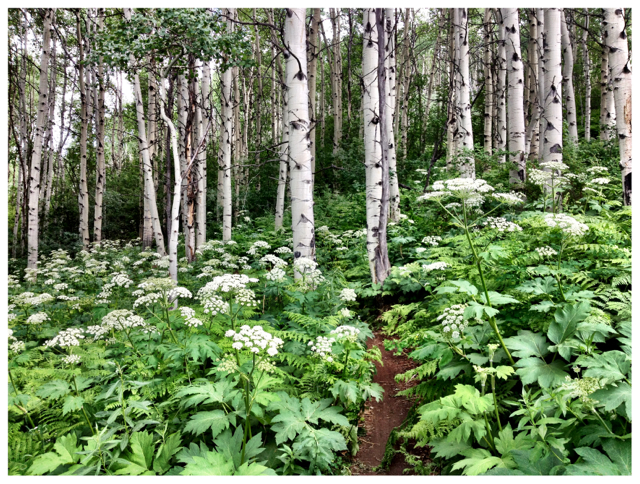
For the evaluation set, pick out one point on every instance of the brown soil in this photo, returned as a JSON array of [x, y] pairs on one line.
[[380, 418]]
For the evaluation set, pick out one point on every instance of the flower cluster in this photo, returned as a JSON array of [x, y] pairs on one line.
[[312, 276], [31, 299], [321, 347], [121, 279], [38, 318], [597, 169], [276, 275], [179, 292], [274, 260], [435, 266], [283, 250], [566, 223], [502, 225], [432, 240], [189, 316], [258, 244], [214, 304], [453, 321], [348, 294], [581, 388], [17, 346], [600, 181], [546, 251], [511, 198], [71, 359], [348, 333], [121, 319], [345, 313], [148, 299], [67, 337], [256, 339], [246, 297], [226, 283], [63, 286]]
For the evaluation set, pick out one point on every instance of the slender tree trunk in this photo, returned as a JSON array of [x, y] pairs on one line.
[[532, 142], [302, 220], [406, 78], [336, 79], [616, 41], [183, 116], [226, 131], [101, 175], [463, 105], [47, 174], [41, 124], [284, 163], [515, 96], [206, 117], [488, 82], [607, 104], [552, 134], [150, 194], [501, 131], [586, 64], [83, 194], [567, 81], [389, 53], [541, 80], [314, 44], [372, 145]]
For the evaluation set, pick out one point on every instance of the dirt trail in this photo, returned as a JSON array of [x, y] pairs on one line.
[[382, 417]]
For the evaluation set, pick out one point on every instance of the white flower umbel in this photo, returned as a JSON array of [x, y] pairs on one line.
[[71, 360], [66, 338], [189, 316], [348, 333], [121, 319], [283, 250], [420, 250], [246, 297], [600, 181], [597, 170], [321, 348], [226, 283], [348, 295], [38, 318], [274, 260], [546, 251], [63, 286], [452, 320], [311, 275], [179, 292], [256, 340], [512, 198], [276, 275], [346, 313], [435, 266], [121, 279], [502, 225], [257, 245], [569, 225], [17, 346], [214, 304], [432, 240]]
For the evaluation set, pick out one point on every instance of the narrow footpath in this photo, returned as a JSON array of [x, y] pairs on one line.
[[382, 417]]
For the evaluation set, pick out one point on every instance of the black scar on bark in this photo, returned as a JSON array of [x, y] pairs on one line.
[[627, 187], [297, 254], [289, 13], [521, 175], [555, 149]]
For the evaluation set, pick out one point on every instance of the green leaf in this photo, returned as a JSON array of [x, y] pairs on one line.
[[71, 404], [594, 463], [543, 307], [463, 286], [168, 449], [215, 420], [46, 463], [566, 321], [613, 396], [498, 299], [539, 286], [254, 469], [529, 463], [452, 369], [446, 449], [54, 389], [475, 310], [620, 452], [536, 369], [347, 391], [612, 365], [463, 431], [210, 464], [139, 460], [528, 344], [504, 372], [477, 462], [67, 447]]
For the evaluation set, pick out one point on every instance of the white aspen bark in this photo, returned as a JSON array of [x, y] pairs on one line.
[[552, 134], [152, 125], [542, 123], [372, 147], [586, 64], [149, 190], [406, 77], [302, 220], [607, 104], [532, 138], [226, 131], [314, 49], [183, 114], [390, 108], [488, 83], [48, 143], [567, 81], [463, 104], [100, 161], [41, 124], [201, 204], [336, 79], [616, 41], [177, 186], [83, 193], [284, 164], [451, 111], [501, 131], [515, 94]]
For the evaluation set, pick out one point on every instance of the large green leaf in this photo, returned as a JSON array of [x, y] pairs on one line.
[[620, 452], [446, 449], [139, 460], [566, 321], [611, 366], [71, 404], [477, 461], [498, 299], [593, 463], [613, 396], [215, 420], [536, 369], [167, 449], [54, 389], [211, 464], [528, 344]]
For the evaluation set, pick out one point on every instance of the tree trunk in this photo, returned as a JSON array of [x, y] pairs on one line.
[[616, 41], [515, 95], [542, 124], [389, 53], [149, 190], [101, 175], [532, 140], [83, 194], [372, 146], [464, 135], [501, 131], [314, 48], [607, 104], [336, 79], [41, 124], [586, 64], [206, 118], [284, 164], [488, 83], [406, 77], [567, 81], [226, 131], [302, 220], [552, 134]]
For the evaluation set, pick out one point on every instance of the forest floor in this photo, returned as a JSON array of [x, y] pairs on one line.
[[380, 418]]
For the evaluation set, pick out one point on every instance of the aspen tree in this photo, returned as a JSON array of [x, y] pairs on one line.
[[336, 79], [390, 108], [488, 82], [314, 49], [406, 79], [83, 192], [607, 104], [586, 65], [206, 120], [552, 134], [372, 146], [463, 104], [284, 164], [567, 81], [616, 41], [302, 220], [226, 140], [515, 93], [41, 123], [101, 175], [532, 137], [47, 172], [501, 111], [541, 76]]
